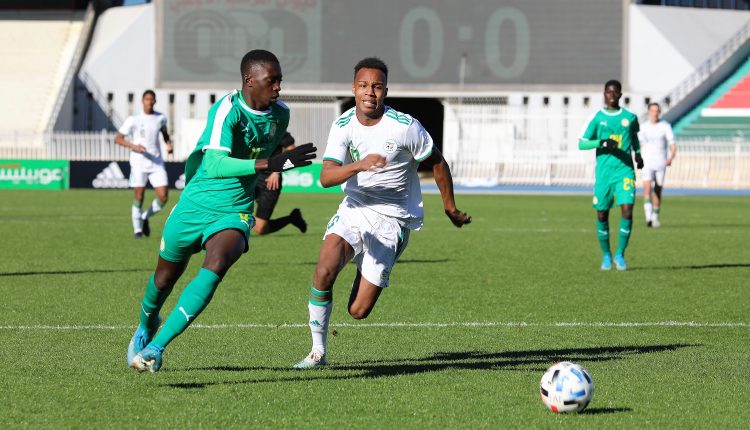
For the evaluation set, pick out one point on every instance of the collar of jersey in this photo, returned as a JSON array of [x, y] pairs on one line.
[[613, 113], [248, 108]]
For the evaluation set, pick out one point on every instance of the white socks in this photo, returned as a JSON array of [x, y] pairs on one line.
[[319, 316], [648, 209], [137, 220], [155, 207]]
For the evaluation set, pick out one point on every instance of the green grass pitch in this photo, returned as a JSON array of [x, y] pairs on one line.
[[472, 319]]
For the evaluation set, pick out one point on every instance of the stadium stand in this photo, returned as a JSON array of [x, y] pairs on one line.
[[40, 45], [724, 113]]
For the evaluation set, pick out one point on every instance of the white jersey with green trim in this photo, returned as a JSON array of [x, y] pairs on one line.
[[143, 130], [394, 189], [655, 139]]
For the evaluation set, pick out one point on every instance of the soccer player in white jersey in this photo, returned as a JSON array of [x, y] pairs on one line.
[[655, 136], [146, 162], [374, 151]]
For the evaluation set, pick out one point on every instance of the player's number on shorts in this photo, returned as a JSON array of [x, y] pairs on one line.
[[628, 184], [332, 222]]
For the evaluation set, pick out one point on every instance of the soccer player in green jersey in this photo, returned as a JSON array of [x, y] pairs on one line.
[[214, 212], [613, 132]]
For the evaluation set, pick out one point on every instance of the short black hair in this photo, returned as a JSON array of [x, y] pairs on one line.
[[147, 92], [256, 56], [614, 82], [371, 63], [654, 104]]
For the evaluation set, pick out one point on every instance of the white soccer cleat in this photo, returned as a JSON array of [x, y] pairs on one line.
[[655, 223], [313, 360]]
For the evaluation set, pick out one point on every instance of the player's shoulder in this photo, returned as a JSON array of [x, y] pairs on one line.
[[397, 118], [345, 118], [627, 113], [280, 105]]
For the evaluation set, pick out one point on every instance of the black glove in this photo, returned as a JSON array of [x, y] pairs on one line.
[[608, 145], [638, 161], [297, 157]]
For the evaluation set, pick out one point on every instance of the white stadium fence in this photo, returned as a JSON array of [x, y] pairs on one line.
[[484, 143]]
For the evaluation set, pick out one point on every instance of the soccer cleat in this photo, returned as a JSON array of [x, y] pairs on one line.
[[620, 262], [313, 360], [649, 223], [146, 228], [606, 262], [298, 221], [655, 223], [140, 339], [148, 359], [138, 235]]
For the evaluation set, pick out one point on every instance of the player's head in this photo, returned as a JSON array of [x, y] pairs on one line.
[[149, 100], [261, 78], [612, 94], [654, 112], [370, 86]]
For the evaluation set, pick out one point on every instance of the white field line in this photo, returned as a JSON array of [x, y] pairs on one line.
[[396, 325]]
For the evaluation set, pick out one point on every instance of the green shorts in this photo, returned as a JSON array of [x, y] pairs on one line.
[[189, 227], [620, 189]]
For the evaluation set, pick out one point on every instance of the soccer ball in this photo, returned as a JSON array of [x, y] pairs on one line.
[[566, 387]]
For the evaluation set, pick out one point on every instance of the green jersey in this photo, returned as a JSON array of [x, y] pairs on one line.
[[621, 126], [244, 133]]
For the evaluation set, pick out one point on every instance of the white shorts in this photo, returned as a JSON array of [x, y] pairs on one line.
[[654, 174], [377, 240], [156, 174]]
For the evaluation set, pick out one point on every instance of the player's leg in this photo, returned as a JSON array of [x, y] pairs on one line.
[[266, 200], [602, 203], [624, 189], [648, 207], [334, 254], [658, 183], [137, 181], [159, 181]]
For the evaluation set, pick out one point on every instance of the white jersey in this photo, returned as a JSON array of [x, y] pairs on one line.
[[655, 139], [394, 190], [144, 130]]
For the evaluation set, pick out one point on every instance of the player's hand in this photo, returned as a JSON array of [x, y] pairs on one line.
[[458, 218], [638, 161], [608, 145], [297, 157], [669, 162], [372, 162], [272, 181], [170, 147], [139, 148]]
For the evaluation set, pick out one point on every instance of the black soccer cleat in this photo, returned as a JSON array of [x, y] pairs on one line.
[[138, 235], [146, 228], [298, 221]]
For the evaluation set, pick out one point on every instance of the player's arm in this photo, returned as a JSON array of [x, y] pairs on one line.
[[335, 172], [444, 181], [167, 139], [219, 164], [672, 146], [635, 128]]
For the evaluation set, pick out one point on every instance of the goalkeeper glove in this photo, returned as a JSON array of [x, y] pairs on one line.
[[638, 161], [608, 145], [297, 157]]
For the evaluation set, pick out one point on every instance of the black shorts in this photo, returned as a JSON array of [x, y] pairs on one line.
[[265, 199]]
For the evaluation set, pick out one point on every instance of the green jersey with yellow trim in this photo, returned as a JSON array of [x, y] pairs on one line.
[[621, 126], [244, 133]]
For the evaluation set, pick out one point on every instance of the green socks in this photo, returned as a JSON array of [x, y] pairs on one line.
[[153, 299], [626, 226], [602, 233], [194, 298]]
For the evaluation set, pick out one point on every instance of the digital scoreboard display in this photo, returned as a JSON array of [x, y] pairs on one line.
[[424, 42]]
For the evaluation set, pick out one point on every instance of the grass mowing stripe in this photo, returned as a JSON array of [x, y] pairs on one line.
[[399, 324]]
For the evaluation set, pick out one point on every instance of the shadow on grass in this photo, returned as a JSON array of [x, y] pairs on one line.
[[599, 411], [537, 360], [72, 272], [696, 267]]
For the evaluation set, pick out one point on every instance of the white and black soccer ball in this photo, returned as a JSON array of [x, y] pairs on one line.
[[566, 387]]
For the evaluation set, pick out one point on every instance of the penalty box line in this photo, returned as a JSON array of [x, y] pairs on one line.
[[488, 324]]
